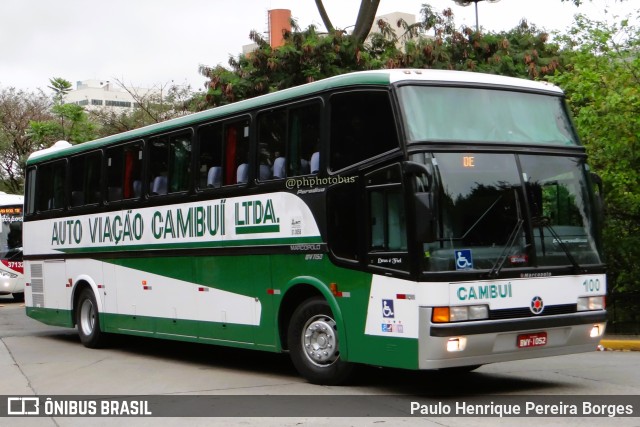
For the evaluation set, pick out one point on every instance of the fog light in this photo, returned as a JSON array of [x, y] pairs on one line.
[[456, 344], [596, 331]]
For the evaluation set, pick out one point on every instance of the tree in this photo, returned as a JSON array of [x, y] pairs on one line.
[[603, 90], [364, 21], [71, 122], [18, 109], [162, 102], [60, 88], [307, 55]]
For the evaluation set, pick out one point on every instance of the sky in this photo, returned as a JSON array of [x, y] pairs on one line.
[[147, 43]]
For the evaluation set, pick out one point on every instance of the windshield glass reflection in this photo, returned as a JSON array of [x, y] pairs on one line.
[[501, 211]]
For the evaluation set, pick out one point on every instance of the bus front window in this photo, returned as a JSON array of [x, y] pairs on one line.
[[479, 204], [562, 213], [502, 211], [482, 116]]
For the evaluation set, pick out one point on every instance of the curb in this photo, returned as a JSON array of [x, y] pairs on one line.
[[621, 344]]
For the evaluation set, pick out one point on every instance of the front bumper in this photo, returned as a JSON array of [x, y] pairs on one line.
[[496, 340]]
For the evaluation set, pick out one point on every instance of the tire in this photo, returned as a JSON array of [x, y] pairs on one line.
[[88, 320], [18, 296], [314, 344]]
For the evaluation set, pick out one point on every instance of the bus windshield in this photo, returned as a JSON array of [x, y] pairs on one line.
[[497, 211], [11, 231], [484, 115]]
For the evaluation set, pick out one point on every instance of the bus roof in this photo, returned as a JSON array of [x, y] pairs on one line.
[[373, 77], [10, 199]]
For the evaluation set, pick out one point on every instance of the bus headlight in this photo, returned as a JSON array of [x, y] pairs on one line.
[[460, 313], [591, 303]]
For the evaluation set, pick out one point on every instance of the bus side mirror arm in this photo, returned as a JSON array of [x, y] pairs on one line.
[[597, 181], [425, 218], [424, 202], [595, 178], [416, 169]]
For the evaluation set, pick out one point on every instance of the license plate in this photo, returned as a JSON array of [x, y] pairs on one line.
[[532, 340]]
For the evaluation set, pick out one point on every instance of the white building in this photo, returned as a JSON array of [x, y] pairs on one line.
[[98, 94], [392, 19]]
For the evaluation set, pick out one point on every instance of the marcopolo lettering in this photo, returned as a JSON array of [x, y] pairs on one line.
[[483, 292]]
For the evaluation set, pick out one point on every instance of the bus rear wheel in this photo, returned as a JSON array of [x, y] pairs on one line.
[[88, 320], [314, 344]]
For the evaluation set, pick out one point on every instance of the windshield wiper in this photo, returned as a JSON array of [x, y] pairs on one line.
[[497, 266], [543, 221]]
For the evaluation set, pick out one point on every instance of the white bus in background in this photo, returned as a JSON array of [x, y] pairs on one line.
[[11, 267]]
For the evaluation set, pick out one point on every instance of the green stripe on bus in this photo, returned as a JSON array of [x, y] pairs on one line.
[[250, 229], [197, 245], [51, 316]]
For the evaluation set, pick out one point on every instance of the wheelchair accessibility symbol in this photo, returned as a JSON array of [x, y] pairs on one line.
[[464, 261], [387, 308]]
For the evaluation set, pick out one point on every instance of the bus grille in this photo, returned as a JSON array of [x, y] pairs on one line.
[[36, 270], [37, 285], [516, 313], [38, 300]]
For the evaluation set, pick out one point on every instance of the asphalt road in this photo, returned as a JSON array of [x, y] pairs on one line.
[[38, 360]]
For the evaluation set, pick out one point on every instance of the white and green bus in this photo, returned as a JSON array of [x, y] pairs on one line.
[[414, 219], [11, 264]]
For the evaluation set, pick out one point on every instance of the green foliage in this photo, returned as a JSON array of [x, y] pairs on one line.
[[162, 102], [60, 88], [603, 90], [307, 55], [71, 123], [523, 51], [17, 110]]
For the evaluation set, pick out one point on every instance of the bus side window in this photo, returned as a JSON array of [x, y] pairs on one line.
[[237, 152], [170, 159], [86, 179], [288, 139], [124, 172], [362, 126], [179, 162], [210, 161], [158, 165], [30, 200], [304, 140], [344, 211], [272, 150], [224, 153], [50, 186]]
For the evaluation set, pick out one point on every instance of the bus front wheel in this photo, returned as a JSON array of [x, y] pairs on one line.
[[314, 344], [88, 320]]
